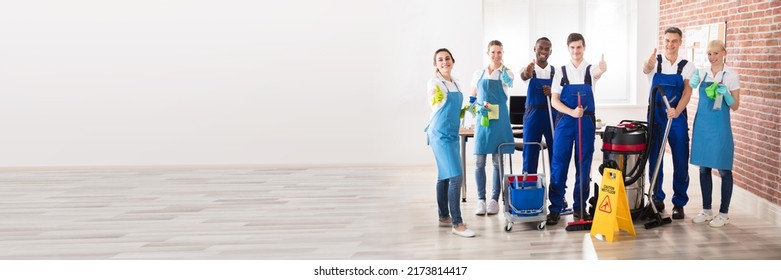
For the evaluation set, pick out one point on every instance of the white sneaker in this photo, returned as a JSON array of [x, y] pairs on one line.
[[463, 232], [719, 221], [480, 210], [493, 207], [702, 217]]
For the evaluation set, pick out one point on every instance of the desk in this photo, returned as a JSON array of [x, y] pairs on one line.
[[466, 133]]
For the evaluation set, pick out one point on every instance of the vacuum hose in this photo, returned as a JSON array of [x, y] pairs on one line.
[[638, 169]]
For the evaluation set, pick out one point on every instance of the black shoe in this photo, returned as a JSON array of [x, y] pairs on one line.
[[678, 212], [553, 219], [659, 206], [576, 214]]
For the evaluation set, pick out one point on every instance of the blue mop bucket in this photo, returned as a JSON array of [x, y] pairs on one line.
[[527, 195]]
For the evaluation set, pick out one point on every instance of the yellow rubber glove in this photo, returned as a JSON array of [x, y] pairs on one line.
[[438, 96]]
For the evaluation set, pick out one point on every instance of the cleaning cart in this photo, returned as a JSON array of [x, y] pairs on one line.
[[525, 195]]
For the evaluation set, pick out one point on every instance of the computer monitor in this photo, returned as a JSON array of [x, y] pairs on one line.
[[517, 109]]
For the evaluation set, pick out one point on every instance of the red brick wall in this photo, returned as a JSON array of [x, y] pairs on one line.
[[754, 51]]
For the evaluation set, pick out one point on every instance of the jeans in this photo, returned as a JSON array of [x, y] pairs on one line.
[[480, 176], [449, 197], [706, 184]]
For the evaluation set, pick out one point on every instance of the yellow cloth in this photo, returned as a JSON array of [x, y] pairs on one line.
[[493, 111]]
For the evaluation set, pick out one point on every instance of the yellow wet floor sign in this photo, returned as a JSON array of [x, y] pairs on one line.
[[612, 212]]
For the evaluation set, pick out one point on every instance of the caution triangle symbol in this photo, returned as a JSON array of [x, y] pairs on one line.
[[606, 206]]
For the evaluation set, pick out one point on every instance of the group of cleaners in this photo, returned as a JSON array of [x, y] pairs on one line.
[[560, 108]]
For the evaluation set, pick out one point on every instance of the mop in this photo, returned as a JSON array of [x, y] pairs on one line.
[[581, 224], [657, 217]]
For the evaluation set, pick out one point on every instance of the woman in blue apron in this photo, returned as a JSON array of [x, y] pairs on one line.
[[492, 125], [445, 99], [712, 142]]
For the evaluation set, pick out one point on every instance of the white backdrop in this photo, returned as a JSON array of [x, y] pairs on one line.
[[224, 82], [232, 82]]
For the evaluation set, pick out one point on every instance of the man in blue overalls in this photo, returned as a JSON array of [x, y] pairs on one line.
[[537, 116], [573, 97], [672, 72]]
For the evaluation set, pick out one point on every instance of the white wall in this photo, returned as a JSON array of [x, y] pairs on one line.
[[246, 82], [622, 91], [224, 82]]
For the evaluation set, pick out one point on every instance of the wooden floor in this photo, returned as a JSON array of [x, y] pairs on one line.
[[310, 213]]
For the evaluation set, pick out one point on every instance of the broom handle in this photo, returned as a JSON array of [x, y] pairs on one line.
[[580, 156], [580, 135], [550, 113]]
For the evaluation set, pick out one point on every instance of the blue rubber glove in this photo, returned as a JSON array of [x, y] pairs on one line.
[[483, 111], [722, 89], [506, 78], [470, 107], [695, 79]]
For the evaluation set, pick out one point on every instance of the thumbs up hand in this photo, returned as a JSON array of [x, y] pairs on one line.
[[603, 64], [438, 96], [695, 79], [651, 60], [529, 70]]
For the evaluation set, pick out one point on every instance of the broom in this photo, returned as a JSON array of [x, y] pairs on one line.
[[581, 224], [566, 210]]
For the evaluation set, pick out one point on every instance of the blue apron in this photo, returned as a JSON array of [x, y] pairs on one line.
[[488, 138], [536, 122], [442, 132], [678, 138], [712, 143], [566, 136]]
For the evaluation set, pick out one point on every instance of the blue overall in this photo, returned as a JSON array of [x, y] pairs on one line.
[[536, 122], [678, 137], [488, 138], [565, 136], [712, 143], [442, 133]]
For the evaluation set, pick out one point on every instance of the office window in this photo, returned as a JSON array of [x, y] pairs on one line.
[[605, 24]]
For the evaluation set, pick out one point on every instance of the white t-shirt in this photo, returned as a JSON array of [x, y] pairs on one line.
[[495, 75], [445, 86], [731, 78], [542, 73], [672, 68], [575, 76]]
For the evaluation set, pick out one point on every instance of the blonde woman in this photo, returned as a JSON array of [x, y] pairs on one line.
[[712, 142], [489, 86]]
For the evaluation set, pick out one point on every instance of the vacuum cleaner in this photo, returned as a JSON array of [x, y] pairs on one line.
[[626, 147]]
